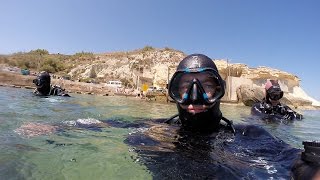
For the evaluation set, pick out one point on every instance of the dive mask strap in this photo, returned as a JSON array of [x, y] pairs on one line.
[[229, 124], [171, 119]]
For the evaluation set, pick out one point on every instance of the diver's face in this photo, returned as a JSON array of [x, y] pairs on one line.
[[208, 84], [275, 97], [38, 82], [274, 102]]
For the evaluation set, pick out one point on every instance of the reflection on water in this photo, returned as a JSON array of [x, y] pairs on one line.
[[79, 153]]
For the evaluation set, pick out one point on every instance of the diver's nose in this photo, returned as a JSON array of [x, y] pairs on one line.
[[195, 99], [194, 95]]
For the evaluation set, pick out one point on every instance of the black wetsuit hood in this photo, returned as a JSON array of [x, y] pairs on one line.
[[210, 119], [42, 83]]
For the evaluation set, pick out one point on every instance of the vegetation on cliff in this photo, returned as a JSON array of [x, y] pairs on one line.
[[89, 67], [41, 60]]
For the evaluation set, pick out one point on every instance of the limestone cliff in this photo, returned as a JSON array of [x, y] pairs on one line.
[[149, 66], [155, 66]]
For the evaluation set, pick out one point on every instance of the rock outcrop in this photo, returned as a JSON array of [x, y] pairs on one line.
[[249, 95], [156, 66]]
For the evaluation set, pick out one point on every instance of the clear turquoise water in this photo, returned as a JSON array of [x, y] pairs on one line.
[[86, 154]]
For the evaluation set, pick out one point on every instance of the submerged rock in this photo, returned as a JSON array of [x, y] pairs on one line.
[[35, 129]]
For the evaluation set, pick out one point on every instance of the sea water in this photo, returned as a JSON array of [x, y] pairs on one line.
[[82, 153]]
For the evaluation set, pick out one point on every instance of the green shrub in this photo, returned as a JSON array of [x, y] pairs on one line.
[[147, 48], [40, 52], [23, 64], [52, 65], [86, 80], [168, 49], [83, 56], [12, 63], [4, 59], [47, 68]]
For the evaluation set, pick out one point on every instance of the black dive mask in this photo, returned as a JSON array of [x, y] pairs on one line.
[[43, 79], [39, 82], [200, 86], [275, 94]]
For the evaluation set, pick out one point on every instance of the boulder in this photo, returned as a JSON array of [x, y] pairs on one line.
[[248, 95]]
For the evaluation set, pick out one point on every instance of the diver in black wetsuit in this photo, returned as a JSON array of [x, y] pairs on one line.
[[270, 107], [205, 147], [44, 88], [197, 88]]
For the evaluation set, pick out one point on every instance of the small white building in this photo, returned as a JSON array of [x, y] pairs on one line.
[[114, 84]]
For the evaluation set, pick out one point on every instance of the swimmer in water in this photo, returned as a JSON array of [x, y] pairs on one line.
[[271, 108], [44, 87]]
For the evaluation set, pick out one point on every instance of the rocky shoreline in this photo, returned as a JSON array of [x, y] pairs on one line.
[[13, 79], [151, 67], [16, 80]]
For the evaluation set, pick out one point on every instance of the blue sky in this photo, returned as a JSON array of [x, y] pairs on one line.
[[283, 34]]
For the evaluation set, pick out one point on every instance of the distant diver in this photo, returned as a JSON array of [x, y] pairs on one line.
[[270, 107], [44, 87]]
